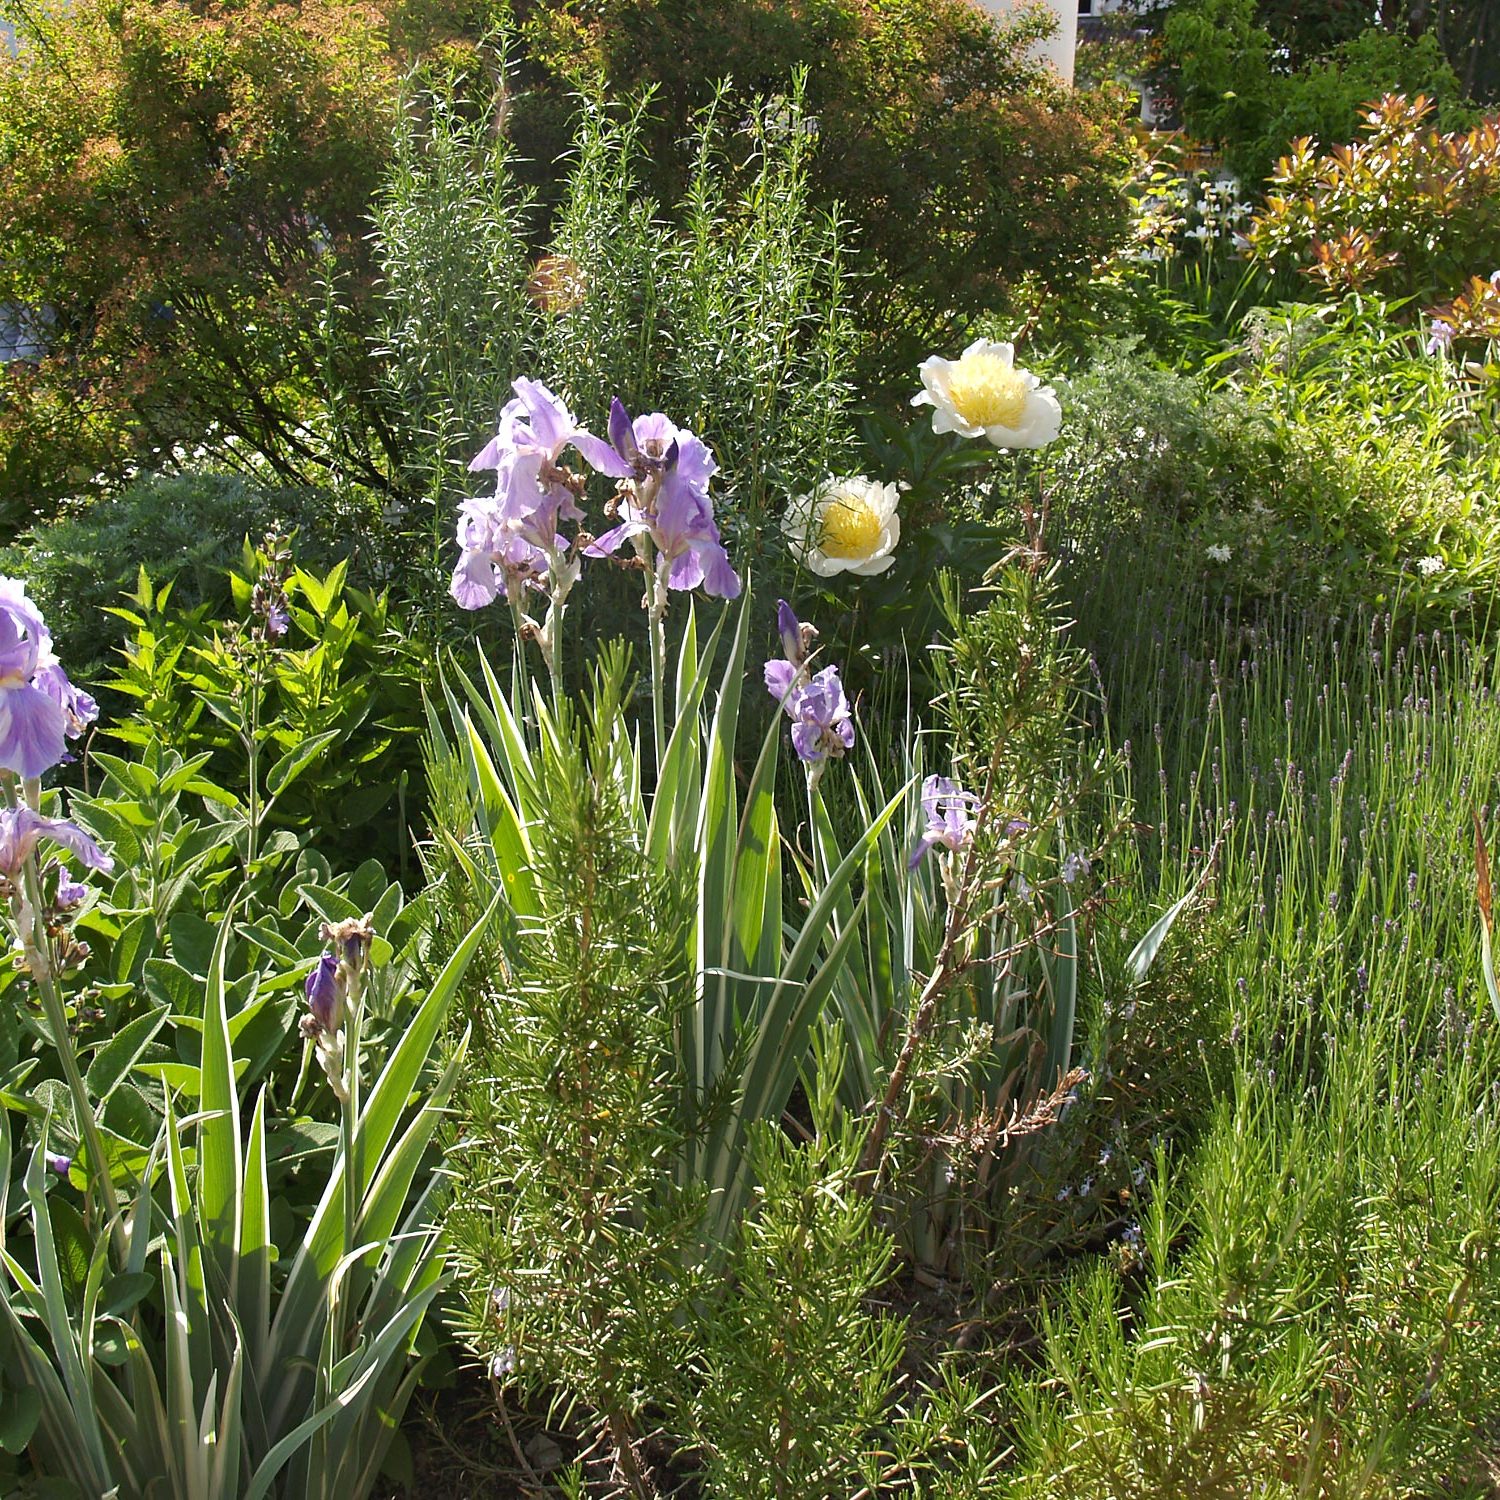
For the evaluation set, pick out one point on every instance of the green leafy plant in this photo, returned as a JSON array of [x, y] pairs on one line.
[[572, 1236], [248, 1383], [758, 981], [732, 299], [314, 713]]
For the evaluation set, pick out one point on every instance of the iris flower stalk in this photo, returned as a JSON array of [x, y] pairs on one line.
[[23, 823], [333, 1022], [662, 473], [40, 710]]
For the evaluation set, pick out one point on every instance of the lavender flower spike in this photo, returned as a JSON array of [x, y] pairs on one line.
[[951, 818]]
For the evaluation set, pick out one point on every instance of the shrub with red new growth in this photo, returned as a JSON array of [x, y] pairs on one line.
[[1406, 211], [1475, 312]]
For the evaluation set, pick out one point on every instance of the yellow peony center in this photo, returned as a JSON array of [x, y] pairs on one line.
[[851, 529], [986, 391]]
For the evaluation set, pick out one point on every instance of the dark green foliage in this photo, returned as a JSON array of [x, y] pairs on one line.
[[798, 1369], [317, 732], [970, 178], [183, 529], [1236, 91]]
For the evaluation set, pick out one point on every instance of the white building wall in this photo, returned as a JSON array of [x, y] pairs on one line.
[[1058, 49]]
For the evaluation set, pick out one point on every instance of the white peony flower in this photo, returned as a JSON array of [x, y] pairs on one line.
[[983, 394], [846, 526]]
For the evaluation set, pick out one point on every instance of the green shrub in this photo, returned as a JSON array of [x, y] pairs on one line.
[[968, 175], [183, 529], [1235, 91], [318, 724], [729, 311], [1332, 464], [1407, 210]]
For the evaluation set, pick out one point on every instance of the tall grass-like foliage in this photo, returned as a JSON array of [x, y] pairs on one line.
[[247, 1381], [759, 975], [570, 1231], [1318, 1301]]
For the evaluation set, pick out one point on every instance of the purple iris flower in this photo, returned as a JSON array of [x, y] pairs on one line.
[[79, 708], [792, 633], [495, 562], [325, 994], [951, 815], [21, 829], [34, 721], [821, 722], [507, 538], [648, 445], [1439, 336], [671, 468]]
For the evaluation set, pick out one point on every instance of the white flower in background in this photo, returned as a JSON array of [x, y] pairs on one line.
[[1218, 553], [1427, 566], [983, 394], [846, 526]]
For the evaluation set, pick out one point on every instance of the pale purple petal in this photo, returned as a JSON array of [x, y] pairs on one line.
[[79, 709], [807, 741], [490, 455], [612, 540], [695, 461], [682, 516], [21, 828], [33, 730], [600, 456], [719, 578], [686, 571], [20, 641], [780, 675], [551, 420], [475, 583]]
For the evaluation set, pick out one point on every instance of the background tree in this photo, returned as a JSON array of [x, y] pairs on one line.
[[184, 190]]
